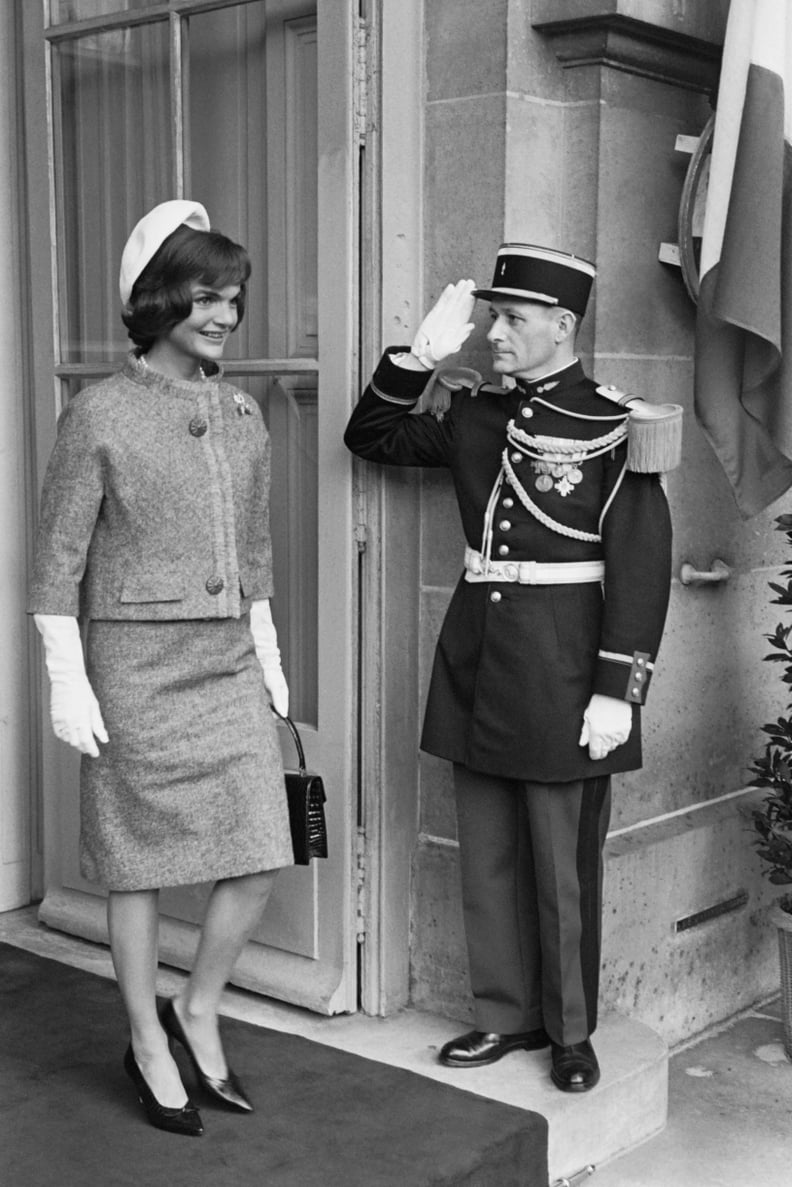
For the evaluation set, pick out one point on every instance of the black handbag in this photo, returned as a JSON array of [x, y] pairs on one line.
[[306, 795]]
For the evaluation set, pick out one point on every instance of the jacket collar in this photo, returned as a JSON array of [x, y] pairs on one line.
[[557, 380], [136, 369]]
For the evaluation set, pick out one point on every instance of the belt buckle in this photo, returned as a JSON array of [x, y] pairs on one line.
[[511, 572]]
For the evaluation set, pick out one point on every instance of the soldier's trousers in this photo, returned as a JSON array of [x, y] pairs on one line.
[[531, 862]]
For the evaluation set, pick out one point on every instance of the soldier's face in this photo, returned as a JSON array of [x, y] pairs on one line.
[[524, 338]]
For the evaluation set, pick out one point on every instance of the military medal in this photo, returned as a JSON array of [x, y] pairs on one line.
[[568, 475]]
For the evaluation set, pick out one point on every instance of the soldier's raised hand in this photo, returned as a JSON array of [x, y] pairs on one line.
[[447, 325]]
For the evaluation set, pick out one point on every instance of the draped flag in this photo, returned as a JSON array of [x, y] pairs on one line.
[[743, 360]]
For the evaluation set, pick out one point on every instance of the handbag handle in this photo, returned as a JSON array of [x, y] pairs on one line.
[[292, 728]]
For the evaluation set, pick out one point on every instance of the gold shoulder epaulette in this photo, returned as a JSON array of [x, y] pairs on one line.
[[654, 432]]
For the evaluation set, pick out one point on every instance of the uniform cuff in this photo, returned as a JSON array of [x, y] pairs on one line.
[[399, 385], [626, 676]]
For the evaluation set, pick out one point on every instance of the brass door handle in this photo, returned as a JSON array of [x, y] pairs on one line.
[[719, 572]]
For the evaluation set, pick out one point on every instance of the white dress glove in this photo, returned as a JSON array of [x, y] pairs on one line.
[[74, 710], [446, 326], [607, 723], [265, 639]]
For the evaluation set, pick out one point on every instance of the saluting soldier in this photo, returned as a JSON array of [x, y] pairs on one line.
[[549, 643]]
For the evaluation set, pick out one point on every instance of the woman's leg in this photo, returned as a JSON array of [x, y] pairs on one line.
[[234, 909], [132, 920]]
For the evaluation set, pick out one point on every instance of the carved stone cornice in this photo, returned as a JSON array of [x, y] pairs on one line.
[[635, 46]]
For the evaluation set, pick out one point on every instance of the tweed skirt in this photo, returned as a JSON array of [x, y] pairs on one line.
[[190, 786]]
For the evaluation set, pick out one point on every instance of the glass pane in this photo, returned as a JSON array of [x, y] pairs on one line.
[[290, 409], [253, 102], [63, 11], [114, 164]]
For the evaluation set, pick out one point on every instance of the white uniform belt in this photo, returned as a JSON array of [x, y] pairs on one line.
[[532, 572]]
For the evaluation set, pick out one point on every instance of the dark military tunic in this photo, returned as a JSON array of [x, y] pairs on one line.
[[516, 664]]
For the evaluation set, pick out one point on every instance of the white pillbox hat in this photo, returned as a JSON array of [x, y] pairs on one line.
[[151, 232]]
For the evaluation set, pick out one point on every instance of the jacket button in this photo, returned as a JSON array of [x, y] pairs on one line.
[[214, 585], [508, 503], [496, 595], [516, 458], [198, 426], [505, 525], [526, 412], [503, 550]]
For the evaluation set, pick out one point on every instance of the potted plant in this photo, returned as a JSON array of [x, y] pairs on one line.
[[772, 819]]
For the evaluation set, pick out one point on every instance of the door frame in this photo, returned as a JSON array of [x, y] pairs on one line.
[[388, 508], [329, 987]]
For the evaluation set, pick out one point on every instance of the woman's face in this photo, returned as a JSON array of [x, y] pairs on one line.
[[202, 335]]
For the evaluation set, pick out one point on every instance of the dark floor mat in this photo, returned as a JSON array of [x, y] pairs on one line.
[[324, 1118]]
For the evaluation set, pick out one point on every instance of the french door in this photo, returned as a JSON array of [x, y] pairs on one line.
[[247, 107]]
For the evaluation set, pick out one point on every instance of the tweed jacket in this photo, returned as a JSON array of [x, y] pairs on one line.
[[155, 503], [516, 664]]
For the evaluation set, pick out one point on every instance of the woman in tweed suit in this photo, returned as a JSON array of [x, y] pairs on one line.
[[154, 532]]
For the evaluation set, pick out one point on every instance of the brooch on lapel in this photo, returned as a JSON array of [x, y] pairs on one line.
[[243, 407]]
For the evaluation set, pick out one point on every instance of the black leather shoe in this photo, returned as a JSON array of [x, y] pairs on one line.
[[229, 1090], [186, 1120], [575, 1068], [479, 1047]]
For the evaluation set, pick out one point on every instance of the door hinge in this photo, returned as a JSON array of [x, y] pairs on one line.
[[576, 1179], [361, 905], [360, 113], [361, 536]]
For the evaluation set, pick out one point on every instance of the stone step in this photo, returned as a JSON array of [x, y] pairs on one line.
[[628, 1106]]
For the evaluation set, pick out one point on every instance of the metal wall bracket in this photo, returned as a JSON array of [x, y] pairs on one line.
[[577, 1178], [719, 572]]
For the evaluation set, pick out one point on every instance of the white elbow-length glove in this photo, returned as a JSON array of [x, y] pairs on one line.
[[446, 326], [607, 723], [265, 639], [74, 710]]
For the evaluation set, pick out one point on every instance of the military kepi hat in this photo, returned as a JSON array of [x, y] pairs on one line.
[[151, 232], [542, 274]]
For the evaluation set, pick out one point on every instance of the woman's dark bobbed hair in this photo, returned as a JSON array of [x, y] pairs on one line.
[[162, 294]]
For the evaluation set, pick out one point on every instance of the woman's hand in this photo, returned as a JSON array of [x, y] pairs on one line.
[[265, 639], [74, 710]]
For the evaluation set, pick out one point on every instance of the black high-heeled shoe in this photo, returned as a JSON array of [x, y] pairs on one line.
[[186, 1120], [229, 1090]]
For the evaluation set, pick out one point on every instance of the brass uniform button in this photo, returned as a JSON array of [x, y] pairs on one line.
[[214, 585], [198, 426], [496, 595]]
